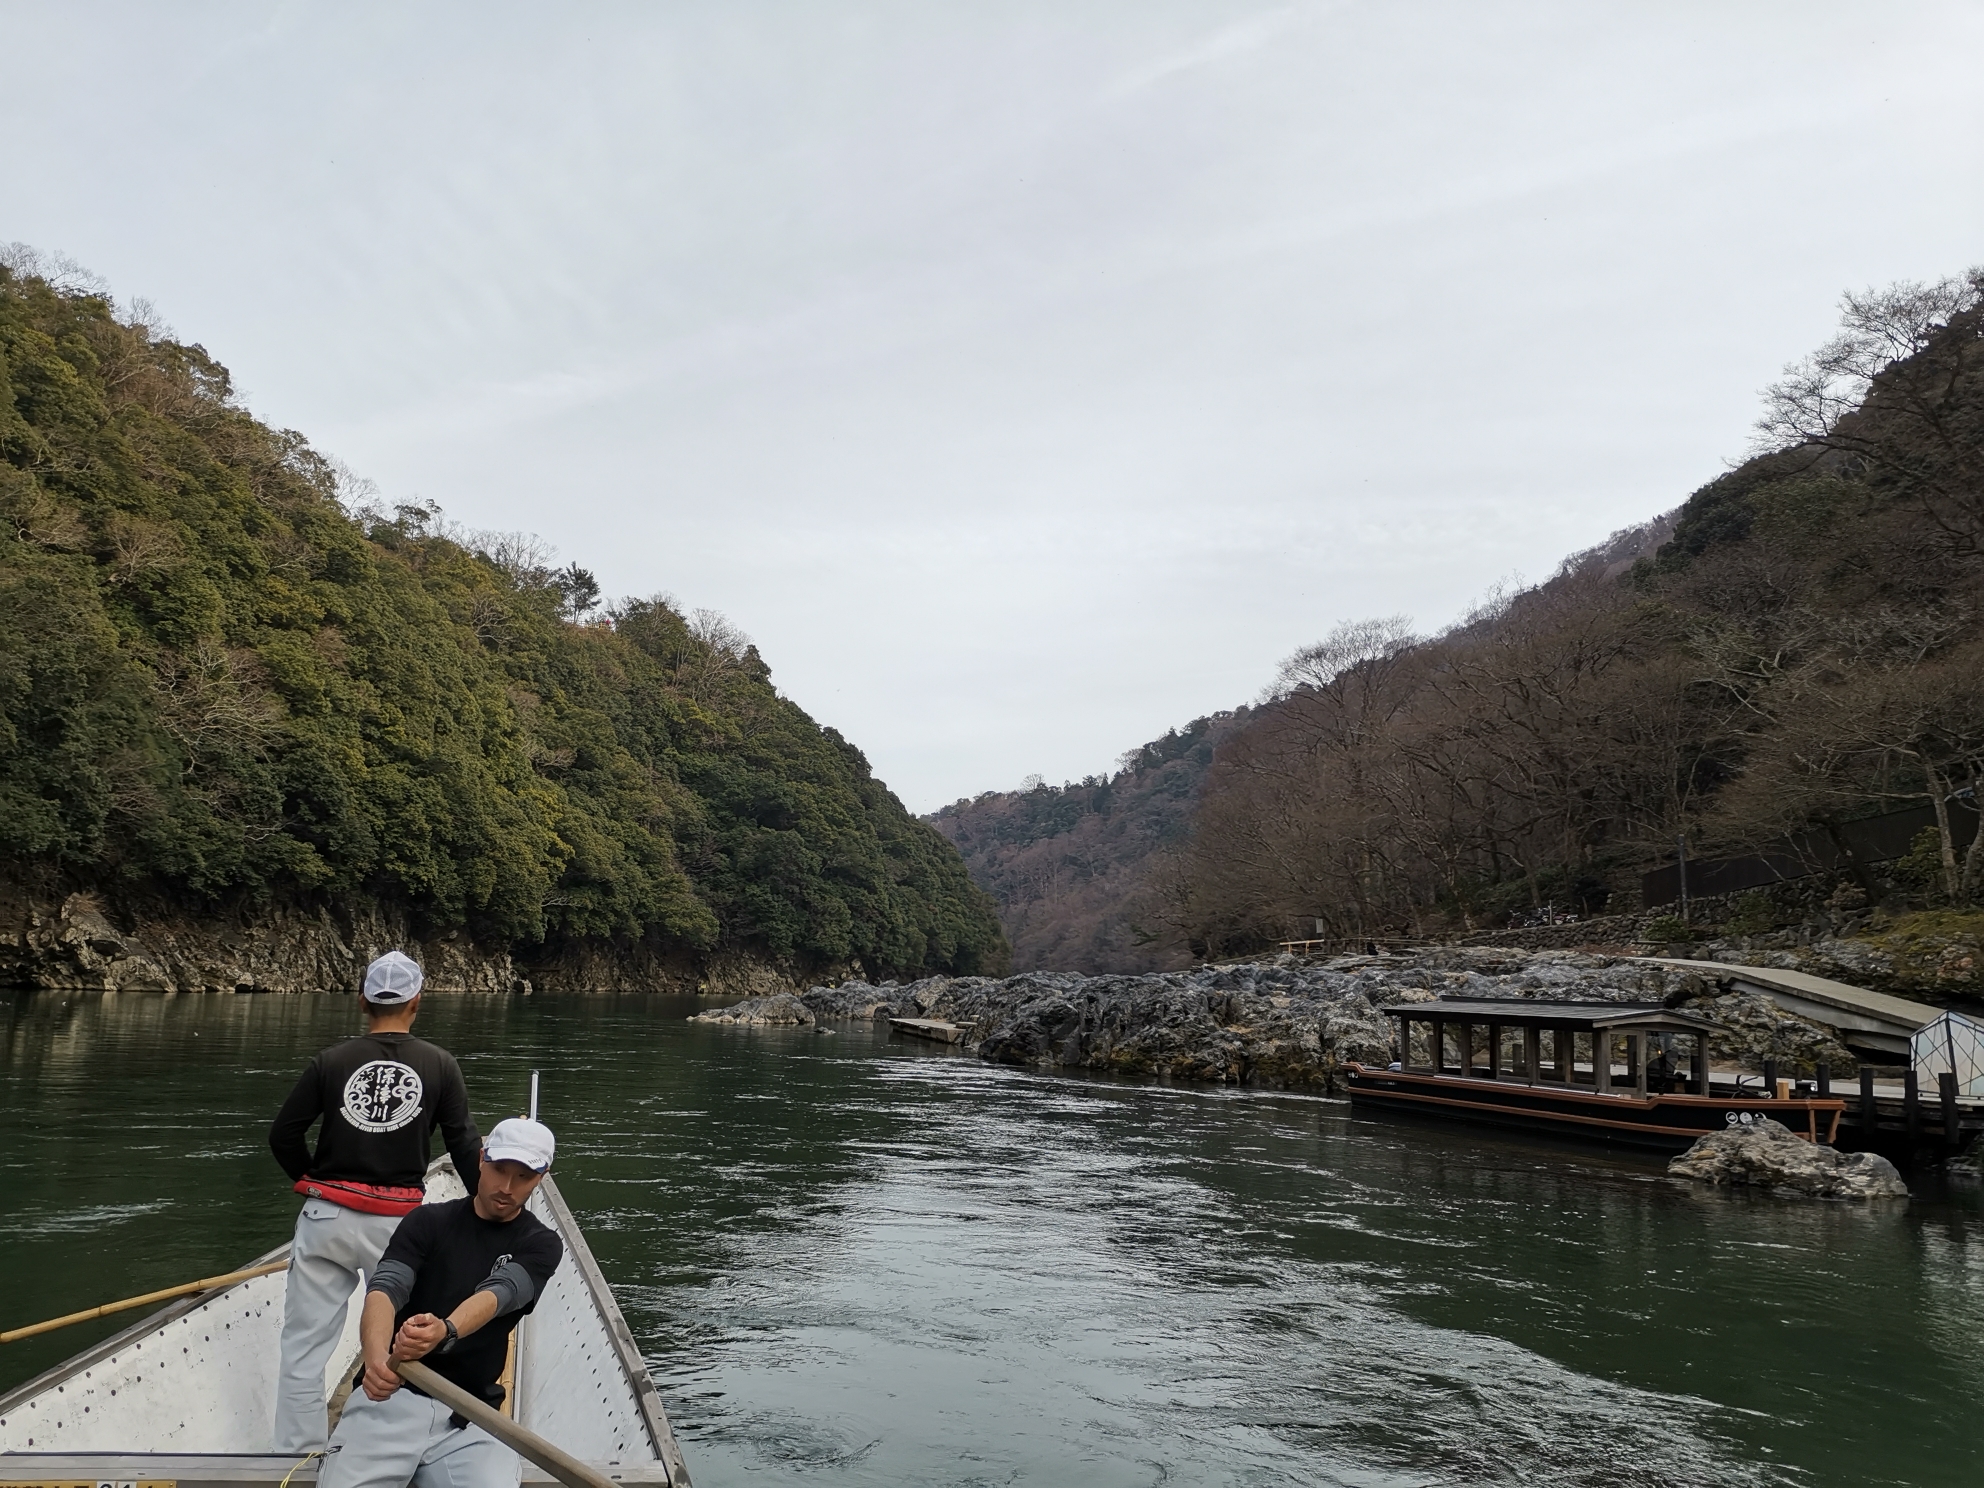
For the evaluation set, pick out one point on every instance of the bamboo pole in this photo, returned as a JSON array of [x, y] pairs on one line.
[[555, 1460], [149, 1297]]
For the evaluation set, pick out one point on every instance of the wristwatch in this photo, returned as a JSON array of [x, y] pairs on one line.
[[451, 1340]]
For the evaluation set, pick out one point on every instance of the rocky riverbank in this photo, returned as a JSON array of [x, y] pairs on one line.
[[85, 942], [1286, 1022]]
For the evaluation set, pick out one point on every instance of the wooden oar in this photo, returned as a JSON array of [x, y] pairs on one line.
[[555, 1460], [130, 1302]]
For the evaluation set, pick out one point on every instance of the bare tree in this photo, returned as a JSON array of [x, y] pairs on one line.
[[523, 556], [57, 270], [214, 703], [717, 633], [1897, 393], [1878, 327], [1352, 645]]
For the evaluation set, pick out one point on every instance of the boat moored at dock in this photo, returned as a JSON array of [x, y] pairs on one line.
[[1634, 1073]]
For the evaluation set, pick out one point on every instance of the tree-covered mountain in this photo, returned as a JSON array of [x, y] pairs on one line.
[[1806, 648], [1798, 646], [221, 683], [1074, 867]]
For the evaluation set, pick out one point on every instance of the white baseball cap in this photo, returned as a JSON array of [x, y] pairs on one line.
[[519, 1139], [391, 979]]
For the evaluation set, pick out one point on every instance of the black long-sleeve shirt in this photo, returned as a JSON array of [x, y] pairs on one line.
[[380, 1095], [441, 1255]]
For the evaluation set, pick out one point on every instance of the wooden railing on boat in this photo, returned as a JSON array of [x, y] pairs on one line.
[[1606, 1029], [1602, 1069]]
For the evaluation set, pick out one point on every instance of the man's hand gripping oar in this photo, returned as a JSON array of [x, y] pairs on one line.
[[555, 1460], [392, 1356]]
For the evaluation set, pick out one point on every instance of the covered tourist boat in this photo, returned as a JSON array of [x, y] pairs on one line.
[[186, 1398], [1635, 1073]]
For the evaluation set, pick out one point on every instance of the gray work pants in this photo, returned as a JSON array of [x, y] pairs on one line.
[[333, 1246], [405, 1439]]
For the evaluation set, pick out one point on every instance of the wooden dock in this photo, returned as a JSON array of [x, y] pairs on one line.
[[1914, 1125], [935, 1029]]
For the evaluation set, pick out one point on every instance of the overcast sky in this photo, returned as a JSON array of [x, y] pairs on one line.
[[1024, 379]]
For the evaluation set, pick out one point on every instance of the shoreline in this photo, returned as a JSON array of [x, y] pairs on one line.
[[1286, 1023]]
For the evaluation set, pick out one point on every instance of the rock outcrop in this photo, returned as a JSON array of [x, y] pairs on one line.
[[1766, 1154], [1756, 1029], [1286, 1022], [78, 946], [86, 942], [780, 1008]]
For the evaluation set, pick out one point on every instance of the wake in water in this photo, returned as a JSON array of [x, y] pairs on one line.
[[1018, 1288]]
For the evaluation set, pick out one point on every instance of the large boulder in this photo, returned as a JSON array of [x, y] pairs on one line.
[[783, 1008], [1354, 1029], [1769, 1155]]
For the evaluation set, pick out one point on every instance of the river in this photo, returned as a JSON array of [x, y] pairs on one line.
[[854, 1261]]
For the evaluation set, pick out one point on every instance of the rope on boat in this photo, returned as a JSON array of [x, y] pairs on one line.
[[210, 1284]]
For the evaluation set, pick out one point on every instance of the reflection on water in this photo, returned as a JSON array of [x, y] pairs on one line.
[[879, 1264]]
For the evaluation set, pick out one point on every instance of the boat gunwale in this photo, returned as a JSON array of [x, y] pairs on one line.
[[1644, 1111], [240, 1469], [653, 1416], [1630, 1095], [152, 1322]]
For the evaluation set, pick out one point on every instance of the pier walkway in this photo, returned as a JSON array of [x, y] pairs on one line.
[[1872, 1022]]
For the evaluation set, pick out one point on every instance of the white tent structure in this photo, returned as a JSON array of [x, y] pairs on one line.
[[1951, 1042]]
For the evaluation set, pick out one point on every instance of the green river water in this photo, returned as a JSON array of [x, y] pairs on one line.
[[852, 1261]]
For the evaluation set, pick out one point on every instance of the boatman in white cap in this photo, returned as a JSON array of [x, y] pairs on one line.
[[449, 1291], [380, 1096]]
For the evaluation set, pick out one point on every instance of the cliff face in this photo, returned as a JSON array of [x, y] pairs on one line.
[[79, 942]]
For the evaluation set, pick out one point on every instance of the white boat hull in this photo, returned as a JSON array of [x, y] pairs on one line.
[[187, 1396]]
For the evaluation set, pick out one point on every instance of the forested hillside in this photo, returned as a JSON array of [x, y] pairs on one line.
[[1807, 648], [220, 683], [1072, 866]]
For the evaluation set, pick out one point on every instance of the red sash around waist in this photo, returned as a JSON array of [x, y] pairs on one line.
[[367, 1198]]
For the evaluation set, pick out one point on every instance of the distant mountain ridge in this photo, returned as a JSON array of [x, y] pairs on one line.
[[1071, 867], [1079, 871]]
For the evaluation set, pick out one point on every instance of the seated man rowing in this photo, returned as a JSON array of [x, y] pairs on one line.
[[449, 1291]]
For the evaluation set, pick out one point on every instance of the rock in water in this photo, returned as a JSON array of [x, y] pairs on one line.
[[783, 1008], [1768, 1154]]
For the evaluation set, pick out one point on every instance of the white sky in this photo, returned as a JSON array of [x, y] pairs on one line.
[[1025, 379]]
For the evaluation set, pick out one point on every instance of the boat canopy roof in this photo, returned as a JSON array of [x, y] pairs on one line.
[[1527, 1012]]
